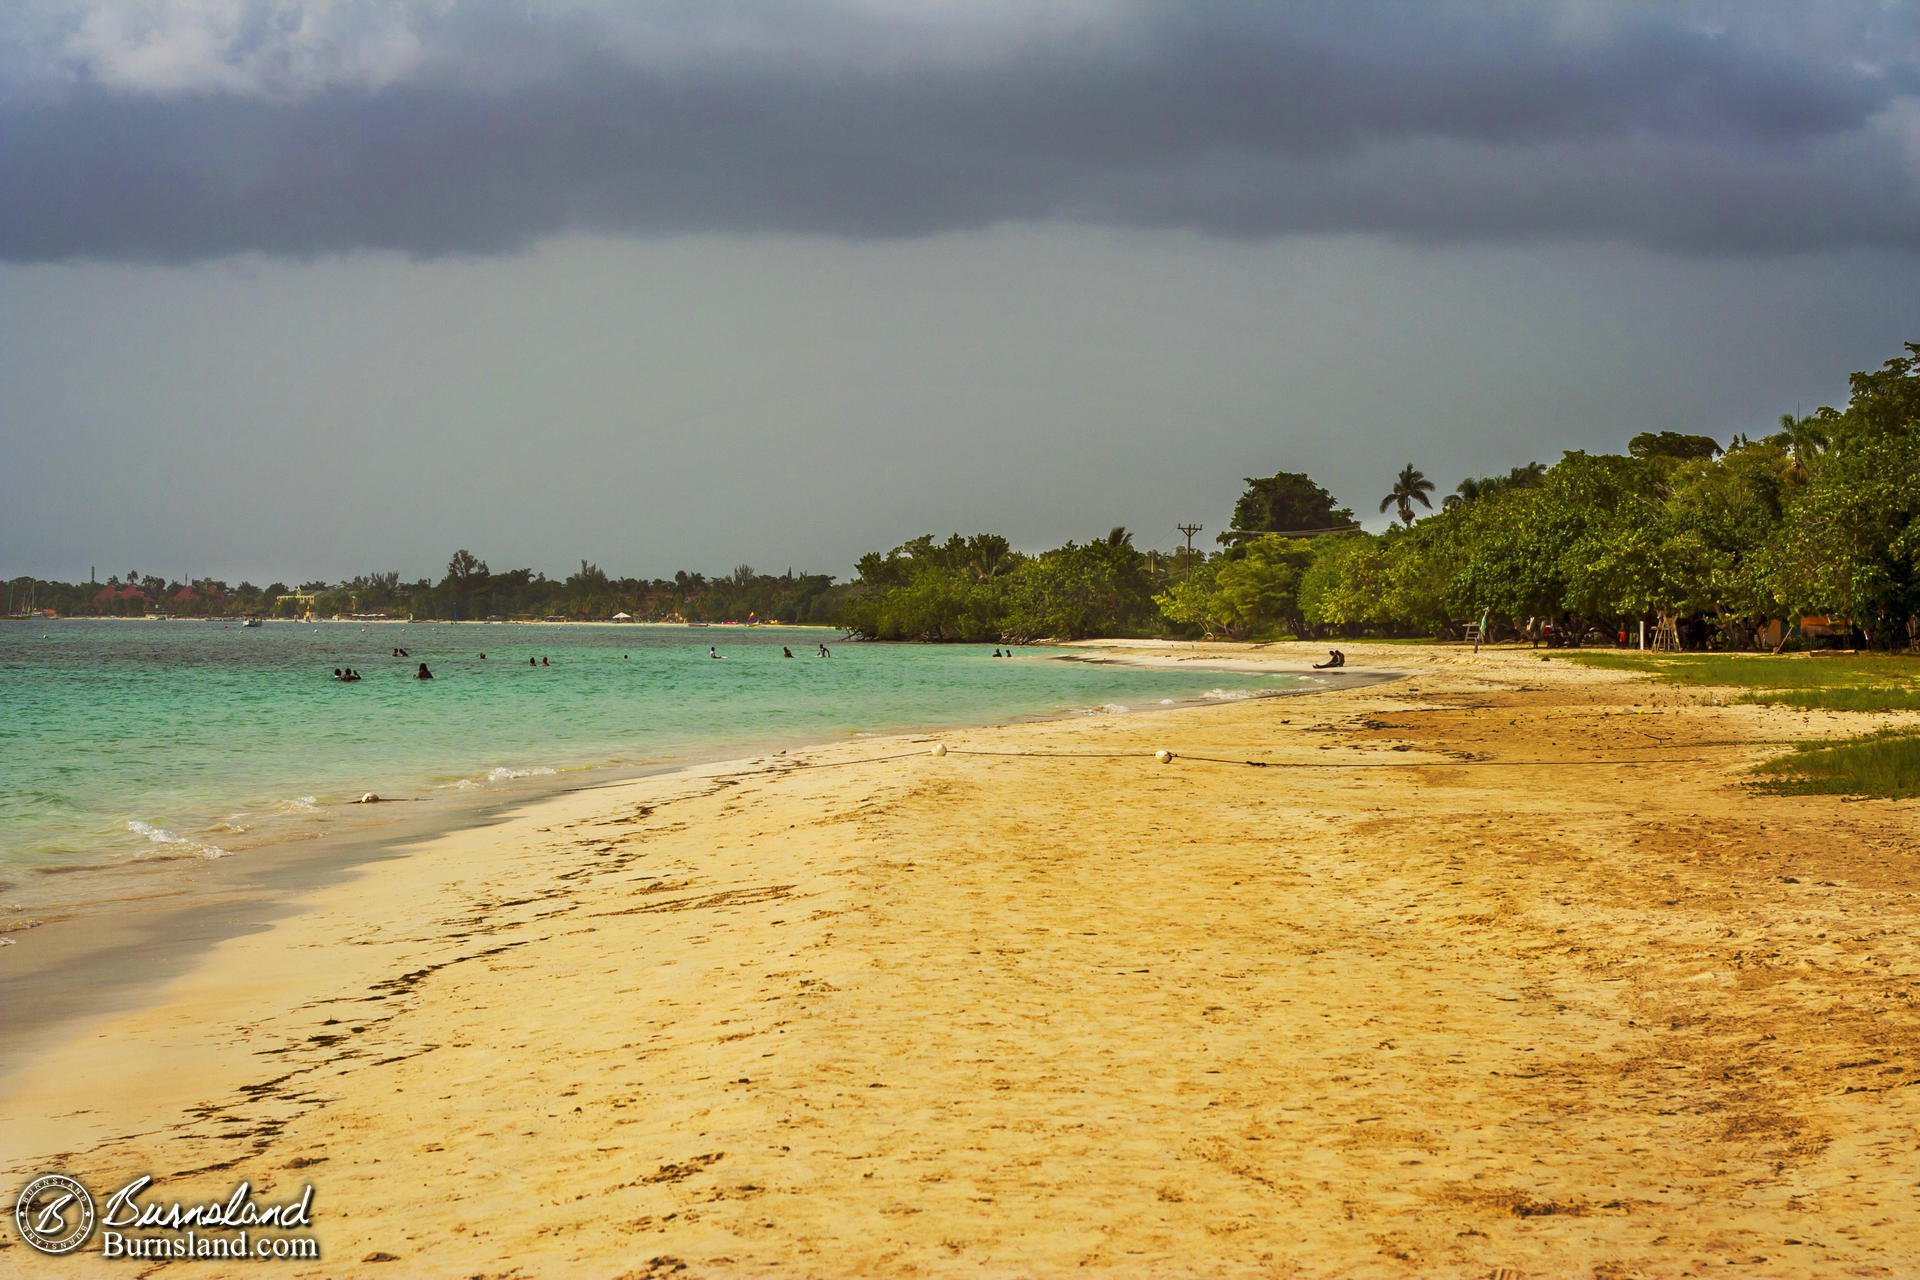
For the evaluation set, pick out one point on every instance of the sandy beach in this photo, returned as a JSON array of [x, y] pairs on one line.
[[1497, 970]]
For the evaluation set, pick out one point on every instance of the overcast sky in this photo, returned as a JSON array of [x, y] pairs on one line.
[[311, 289]]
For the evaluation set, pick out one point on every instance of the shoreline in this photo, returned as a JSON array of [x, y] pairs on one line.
[[100, 956], [1495, 967]]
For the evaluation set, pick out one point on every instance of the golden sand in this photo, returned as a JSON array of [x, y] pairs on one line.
[[1498, 970]]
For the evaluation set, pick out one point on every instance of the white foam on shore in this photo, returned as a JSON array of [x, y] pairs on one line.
[[501, 773], [1228, 695], [162, 836]]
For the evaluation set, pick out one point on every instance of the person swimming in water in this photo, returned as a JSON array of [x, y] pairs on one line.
[[533, 662], [785, 652], [712, 652], [545, 663], [423, 673]]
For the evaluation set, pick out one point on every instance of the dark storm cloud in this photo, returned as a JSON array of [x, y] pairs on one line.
[[1452, 123]]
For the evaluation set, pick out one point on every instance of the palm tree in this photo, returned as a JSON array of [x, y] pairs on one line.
[[1410, 485], [1120, 536], [1466, 491], [989, 564], [1804, 440]]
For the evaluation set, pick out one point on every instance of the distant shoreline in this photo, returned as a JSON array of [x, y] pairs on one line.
[[425, 622]]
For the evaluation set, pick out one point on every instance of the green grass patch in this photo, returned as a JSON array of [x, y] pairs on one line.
[[1856, 682], [1842, 698], [1884, 765]]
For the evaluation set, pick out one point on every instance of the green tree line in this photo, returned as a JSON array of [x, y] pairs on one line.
[[1817, 516], [469, 590]]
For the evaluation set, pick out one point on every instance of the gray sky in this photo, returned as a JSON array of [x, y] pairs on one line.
[[313, 289]]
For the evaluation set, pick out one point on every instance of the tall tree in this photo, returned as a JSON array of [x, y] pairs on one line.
[[466, 575], [1677, 445], [1285, 502], [1408, 486]]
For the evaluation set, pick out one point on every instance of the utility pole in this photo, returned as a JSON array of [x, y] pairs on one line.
[[1189, 530]]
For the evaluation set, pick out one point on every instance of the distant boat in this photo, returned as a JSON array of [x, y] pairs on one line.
[[251, 622]]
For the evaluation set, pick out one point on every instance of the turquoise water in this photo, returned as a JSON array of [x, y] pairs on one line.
[[126, 741]]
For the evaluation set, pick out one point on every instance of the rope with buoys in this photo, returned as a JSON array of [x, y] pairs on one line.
[[940, 750]]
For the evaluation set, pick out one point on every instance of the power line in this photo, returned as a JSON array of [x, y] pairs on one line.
[[1293, 533]]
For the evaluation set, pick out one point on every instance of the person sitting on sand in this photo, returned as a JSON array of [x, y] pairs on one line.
[[1335, 658], [423, 673]]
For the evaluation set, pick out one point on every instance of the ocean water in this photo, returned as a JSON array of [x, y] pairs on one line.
[[124, 743]]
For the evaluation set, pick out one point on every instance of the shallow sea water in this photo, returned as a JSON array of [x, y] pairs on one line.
[[123, 742]]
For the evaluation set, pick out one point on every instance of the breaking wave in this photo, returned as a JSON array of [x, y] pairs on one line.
[[166, 838], [504, 774]]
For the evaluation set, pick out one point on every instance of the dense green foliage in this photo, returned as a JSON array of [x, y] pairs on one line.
[[1820, 518], [978, 589]]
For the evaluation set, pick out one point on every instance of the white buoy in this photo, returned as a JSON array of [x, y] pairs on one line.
[[939, 749], [1163, 756]]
